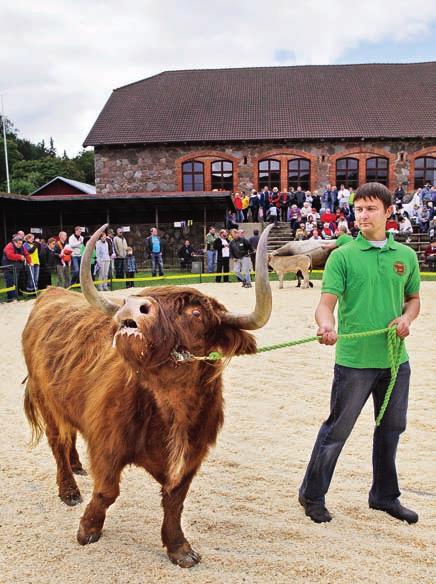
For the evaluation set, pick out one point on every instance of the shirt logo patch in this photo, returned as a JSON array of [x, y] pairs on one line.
[[400, 268]]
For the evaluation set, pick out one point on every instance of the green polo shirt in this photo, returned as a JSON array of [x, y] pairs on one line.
[[371, 285], [343, 239]]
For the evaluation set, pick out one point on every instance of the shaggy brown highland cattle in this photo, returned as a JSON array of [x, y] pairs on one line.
[[109, 370]]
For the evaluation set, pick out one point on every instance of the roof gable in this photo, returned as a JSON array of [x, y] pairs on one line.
[[272, 103], [80, 186]]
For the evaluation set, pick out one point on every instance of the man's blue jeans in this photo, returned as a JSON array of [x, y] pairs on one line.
[[211, 261], [75, 269], [350, 390], [156, 262]]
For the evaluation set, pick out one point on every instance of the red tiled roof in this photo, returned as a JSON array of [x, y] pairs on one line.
[[272, 103]]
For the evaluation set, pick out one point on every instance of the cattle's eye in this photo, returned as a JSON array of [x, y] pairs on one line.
[[196, 313]]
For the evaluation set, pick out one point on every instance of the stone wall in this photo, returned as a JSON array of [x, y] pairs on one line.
[[158, 167]]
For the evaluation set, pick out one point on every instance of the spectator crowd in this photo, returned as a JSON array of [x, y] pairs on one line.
[[29, 260], [323, 213]]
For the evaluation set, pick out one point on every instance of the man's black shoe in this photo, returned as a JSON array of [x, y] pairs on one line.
[[315, 510], [395, 509]]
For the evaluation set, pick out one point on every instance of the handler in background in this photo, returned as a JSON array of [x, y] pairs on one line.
[[376, 282]]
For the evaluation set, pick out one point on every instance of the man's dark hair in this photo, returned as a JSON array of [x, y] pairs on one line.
[[255, 231], [374, 190]]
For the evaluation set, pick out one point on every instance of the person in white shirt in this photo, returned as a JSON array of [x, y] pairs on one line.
[[343, 196], [221, 246], [103, 260], [75, 241]]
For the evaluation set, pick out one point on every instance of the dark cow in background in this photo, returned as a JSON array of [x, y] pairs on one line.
[[109, 370]]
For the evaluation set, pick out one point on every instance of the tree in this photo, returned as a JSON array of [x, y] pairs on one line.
[[52, 149], [33, 165], [31, 151], [14, 156], [85, 162], [40, 172]]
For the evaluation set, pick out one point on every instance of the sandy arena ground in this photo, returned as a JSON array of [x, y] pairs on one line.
[[242, 512]]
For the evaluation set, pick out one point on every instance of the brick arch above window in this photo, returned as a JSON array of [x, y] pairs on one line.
[[283, 155], [412, 156], [206, 157], [362, 154]]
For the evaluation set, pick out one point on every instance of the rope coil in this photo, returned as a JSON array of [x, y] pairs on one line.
[[395, 345]]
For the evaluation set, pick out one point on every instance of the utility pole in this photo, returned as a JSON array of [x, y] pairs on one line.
[[6, 148]]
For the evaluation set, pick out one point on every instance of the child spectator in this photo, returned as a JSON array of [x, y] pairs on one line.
[[301, 233], [272, 215], [131, 267], [315, 235], [327, 232], [66, 256], [33, 268]]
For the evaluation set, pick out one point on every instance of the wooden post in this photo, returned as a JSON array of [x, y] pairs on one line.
[[156, 217], [5, 231], [61, 222]]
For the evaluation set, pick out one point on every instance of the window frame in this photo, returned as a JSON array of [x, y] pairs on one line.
[[385, 181], [306, 186], [220, 174], [425, 168], [269, 183], [347, 182], [192, 173]]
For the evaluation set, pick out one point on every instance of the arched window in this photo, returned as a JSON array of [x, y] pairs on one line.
[[377, 170], [425, 171], [347, 172], [222, 175], [269, 174], [299, 173], [193, 176]]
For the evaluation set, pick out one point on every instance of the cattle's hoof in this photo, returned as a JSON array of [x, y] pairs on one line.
[[71, 499], [85, 538], [79, 470], [184, 558]]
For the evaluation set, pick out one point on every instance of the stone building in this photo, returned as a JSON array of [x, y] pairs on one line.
[[238, 129]]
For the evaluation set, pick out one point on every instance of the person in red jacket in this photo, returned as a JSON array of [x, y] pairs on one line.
[[15, 257]]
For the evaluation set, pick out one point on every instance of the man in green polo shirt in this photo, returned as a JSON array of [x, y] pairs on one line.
[[342, 238], [375, 282]]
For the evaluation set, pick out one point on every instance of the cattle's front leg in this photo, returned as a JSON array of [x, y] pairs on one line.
[[106, 490], [178, 548]]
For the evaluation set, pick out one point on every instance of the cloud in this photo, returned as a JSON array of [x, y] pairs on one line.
[[60, 60]]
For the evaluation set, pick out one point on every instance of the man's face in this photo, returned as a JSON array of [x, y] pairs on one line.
[[62, 236], [371, 216], [18, 243], [119, 232], [212, 230], [78, 231], [154, 231]]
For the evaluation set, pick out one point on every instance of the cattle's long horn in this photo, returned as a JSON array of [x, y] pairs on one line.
[[262, 311], [86, 282]]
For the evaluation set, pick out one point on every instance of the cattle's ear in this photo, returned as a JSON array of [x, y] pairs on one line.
[[232, 341]]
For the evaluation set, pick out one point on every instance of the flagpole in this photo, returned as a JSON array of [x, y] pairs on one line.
[[6, 148]]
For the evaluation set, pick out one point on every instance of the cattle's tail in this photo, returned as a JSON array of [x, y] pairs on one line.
[[33, 415]]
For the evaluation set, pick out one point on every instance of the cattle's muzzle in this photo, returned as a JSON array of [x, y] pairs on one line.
[[135, 311]]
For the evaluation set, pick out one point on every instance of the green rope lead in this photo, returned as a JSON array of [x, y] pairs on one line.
[[395, 345]]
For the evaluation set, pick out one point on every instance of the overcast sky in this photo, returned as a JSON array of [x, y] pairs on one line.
[[60, 59]]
